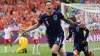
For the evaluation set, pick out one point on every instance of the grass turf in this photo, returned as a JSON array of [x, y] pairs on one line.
[[45, 51]]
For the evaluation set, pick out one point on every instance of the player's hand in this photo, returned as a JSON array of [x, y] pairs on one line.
[[67, 38], [82, 25], [22, 31]]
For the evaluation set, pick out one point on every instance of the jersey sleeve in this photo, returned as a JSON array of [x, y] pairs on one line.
[[10, 29], [61, 16], [70, 33], [19, 40], [40, 21], [86, 34]]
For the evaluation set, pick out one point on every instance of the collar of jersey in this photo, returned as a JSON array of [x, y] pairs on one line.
[[51, 13]]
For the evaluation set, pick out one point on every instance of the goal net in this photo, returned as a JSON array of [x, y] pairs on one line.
[[88, 14]]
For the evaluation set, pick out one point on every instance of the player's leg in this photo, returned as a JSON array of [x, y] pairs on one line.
[[5, 45], [20, 50], [74, 53], [77, 49], [62, 52], [37, 46], [69, 53], [25, 50], [37, 49], [51, 43], [54, 49], [10, 42], [34, 47], [86, 51], [57, 47]]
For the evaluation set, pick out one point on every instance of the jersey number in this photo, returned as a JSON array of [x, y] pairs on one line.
[[77, 29], [47, 23]]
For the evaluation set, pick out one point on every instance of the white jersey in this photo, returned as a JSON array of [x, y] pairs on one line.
[[7, 33], [36, 33]]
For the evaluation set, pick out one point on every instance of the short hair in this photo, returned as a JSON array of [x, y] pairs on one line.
[[48, 1], [73, 17]]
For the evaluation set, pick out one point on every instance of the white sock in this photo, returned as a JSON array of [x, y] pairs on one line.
[[34, 48], [5, 48], [12, 49], [37, 48]]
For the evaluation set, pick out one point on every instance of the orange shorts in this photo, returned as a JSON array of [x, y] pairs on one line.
[[7, 40], [36, 41]]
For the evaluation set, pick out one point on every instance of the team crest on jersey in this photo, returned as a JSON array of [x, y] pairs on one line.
[[55, 17]]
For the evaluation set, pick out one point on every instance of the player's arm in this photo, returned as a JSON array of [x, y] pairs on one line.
[[39, 34], [61, 16], [26, 40], [11, 34], [70, 34], [31, 27], [20, 41], [68, 21], [73, 23], [16, 40], [40, 21], [32, 35], [87, 33]]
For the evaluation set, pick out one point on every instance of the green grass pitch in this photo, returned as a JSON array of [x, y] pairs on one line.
[[45, 51]]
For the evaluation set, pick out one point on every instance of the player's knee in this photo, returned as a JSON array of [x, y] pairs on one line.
[[5, 44], [75, 53], [53, 51], [63, 54], [17, 51]]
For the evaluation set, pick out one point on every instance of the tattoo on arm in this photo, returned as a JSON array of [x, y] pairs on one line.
[[69, 21], [32, 27]]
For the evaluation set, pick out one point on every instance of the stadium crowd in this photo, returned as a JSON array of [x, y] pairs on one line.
[[21, 12]]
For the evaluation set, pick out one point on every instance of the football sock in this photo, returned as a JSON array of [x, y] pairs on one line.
[[54, 54], [5, 48], [12, 49], [69, 53], [34, 48], [37, 48]]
